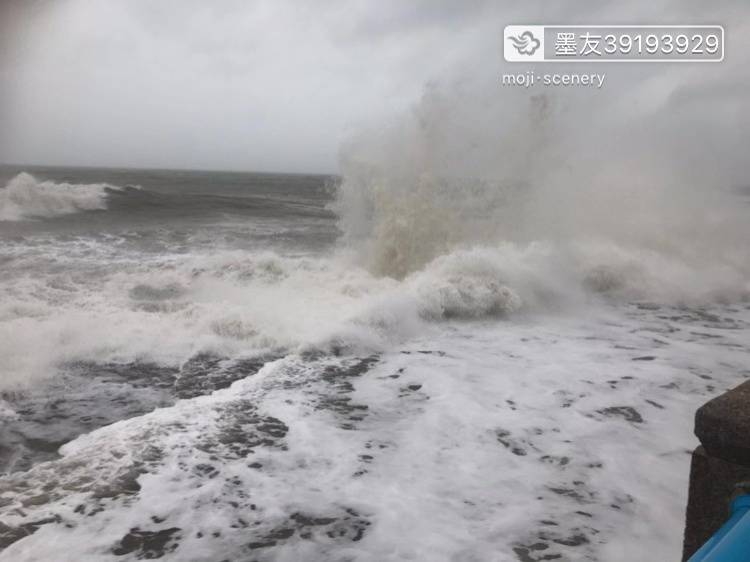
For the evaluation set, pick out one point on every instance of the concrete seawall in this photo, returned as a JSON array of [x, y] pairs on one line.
[[718, 465]]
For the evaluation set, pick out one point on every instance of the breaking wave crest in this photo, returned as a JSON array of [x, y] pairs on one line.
[[239, 304], [25, 197]]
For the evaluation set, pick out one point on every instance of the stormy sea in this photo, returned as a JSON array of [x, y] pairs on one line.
[[209, 366]]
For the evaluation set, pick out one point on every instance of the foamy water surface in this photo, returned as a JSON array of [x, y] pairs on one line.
[[202, 367]]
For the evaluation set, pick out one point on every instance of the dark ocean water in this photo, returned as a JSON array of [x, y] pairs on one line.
[[174, 205], [146, 217]]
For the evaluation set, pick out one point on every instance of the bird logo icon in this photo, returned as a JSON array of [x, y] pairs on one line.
[[525, 43]]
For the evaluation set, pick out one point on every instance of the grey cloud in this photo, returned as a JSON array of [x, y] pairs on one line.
[[281, 84]]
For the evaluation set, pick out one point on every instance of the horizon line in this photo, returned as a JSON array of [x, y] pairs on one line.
[[163, 169]]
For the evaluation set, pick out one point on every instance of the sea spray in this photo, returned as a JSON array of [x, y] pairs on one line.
[[474, 167]]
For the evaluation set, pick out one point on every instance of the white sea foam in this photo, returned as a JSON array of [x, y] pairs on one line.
[[25, 197], [485, 440], [169, 308], [485, 235]]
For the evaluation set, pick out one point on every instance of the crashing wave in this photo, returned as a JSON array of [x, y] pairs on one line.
[[467, 169], [25, 197]]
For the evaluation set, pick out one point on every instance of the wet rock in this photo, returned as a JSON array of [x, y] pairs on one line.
[[723, 425]]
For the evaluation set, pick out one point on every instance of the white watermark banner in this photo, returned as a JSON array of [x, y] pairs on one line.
[[613, 43]]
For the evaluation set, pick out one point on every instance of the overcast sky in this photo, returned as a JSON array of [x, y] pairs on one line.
[[263, 84]]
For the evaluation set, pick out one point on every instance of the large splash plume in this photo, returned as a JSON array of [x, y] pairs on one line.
[[639, 186]]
